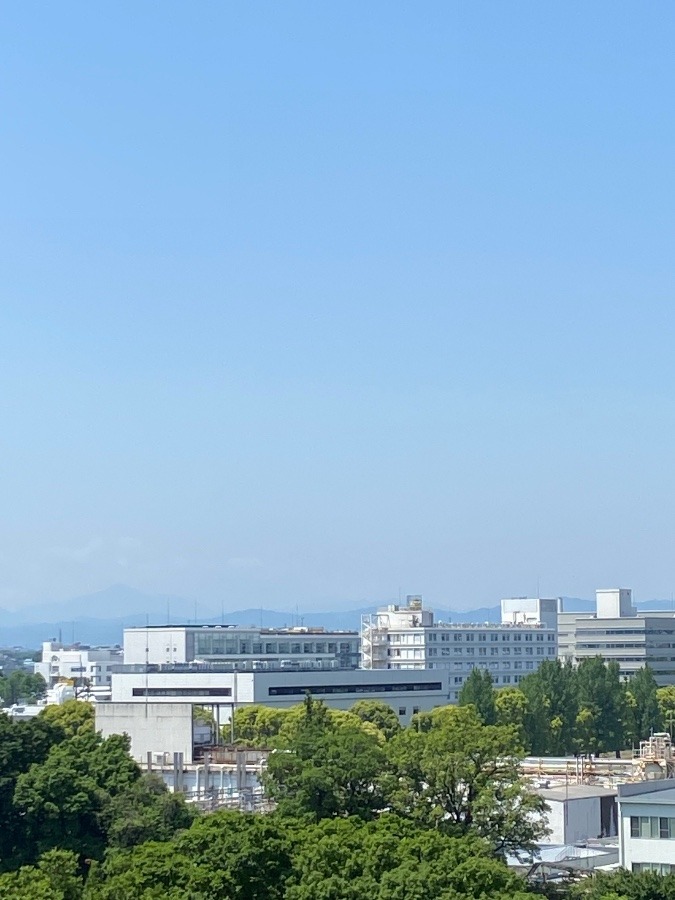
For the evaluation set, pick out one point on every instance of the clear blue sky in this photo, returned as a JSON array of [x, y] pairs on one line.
[[309, 303]]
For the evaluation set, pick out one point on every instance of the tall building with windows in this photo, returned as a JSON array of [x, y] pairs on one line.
[[407, 637], [619, 634]]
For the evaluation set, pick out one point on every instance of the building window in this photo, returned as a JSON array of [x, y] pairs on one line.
[[652, 827], [401, 710]]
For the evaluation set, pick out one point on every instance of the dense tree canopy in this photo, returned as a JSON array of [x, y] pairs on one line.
[[365, 809]]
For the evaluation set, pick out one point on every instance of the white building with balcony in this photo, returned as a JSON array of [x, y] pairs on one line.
[[84, 666], [407, 637]]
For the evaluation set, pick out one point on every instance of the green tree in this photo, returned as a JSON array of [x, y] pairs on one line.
[[477, 691], [62, 800], [462, 777], [379, 714], [21, 687], [552, 708], [391, 859], [602, 712], [55, 877], [665, 697], [622, 885], [644, 692], [145, 811], [325, 772], [224, 855], [22, 744], [73, 717], [511, 707], [256, 726]]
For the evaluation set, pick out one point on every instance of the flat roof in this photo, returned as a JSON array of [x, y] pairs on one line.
[[290, 629], [576, 792], [667, 797]]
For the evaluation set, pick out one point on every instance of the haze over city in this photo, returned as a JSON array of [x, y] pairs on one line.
[[308, 305]]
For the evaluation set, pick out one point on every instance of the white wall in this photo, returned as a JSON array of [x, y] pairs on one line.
[[574, 819], [152, 727], [163, 645]]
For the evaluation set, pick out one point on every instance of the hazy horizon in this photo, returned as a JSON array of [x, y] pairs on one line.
[[324, 303]]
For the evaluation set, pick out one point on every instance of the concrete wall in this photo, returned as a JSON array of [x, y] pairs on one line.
[[155, 645], [576, 819], [152, 727]]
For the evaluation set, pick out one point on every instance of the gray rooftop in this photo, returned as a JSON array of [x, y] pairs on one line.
[[667, 797], [576, 792]]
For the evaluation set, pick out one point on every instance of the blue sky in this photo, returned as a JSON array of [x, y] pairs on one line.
[[312, 303]]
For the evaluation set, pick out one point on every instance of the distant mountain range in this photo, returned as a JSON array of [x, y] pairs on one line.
[[88, 619]]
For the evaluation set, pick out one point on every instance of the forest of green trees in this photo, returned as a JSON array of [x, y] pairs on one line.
[[364, 809]]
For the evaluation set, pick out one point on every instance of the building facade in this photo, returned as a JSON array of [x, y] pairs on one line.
[[227, 689], [618, 634], [408, 638], [84, 666], [647, 826], [245, 648]]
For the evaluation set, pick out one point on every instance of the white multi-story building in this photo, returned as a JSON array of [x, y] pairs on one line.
[[406, 637], [617, 633], [84, 666], [647, 826], [241, 647]]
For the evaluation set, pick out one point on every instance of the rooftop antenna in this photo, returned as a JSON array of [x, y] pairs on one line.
[[222, 612], [195, 612]]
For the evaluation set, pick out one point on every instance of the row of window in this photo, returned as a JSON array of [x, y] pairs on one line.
[[482, 651], [182, 692], [658, 868], [215, 645], [652, 827], [286, 690], [480, 637]]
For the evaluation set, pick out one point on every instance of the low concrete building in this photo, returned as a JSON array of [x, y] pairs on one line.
[[647, 826], [580, 812], [227, 689], [154, 728]]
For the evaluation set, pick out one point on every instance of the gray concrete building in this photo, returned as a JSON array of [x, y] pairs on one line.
[[619, 634]]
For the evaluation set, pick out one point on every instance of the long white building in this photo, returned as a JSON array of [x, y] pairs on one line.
[[228, 689], [408, 638], [241, 647]]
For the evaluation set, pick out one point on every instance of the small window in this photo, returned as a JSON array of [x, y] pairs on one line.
[[401, 710]]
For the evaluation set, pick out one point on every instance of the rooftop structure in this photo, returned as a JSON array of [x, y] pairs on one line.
[[245, 648]]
